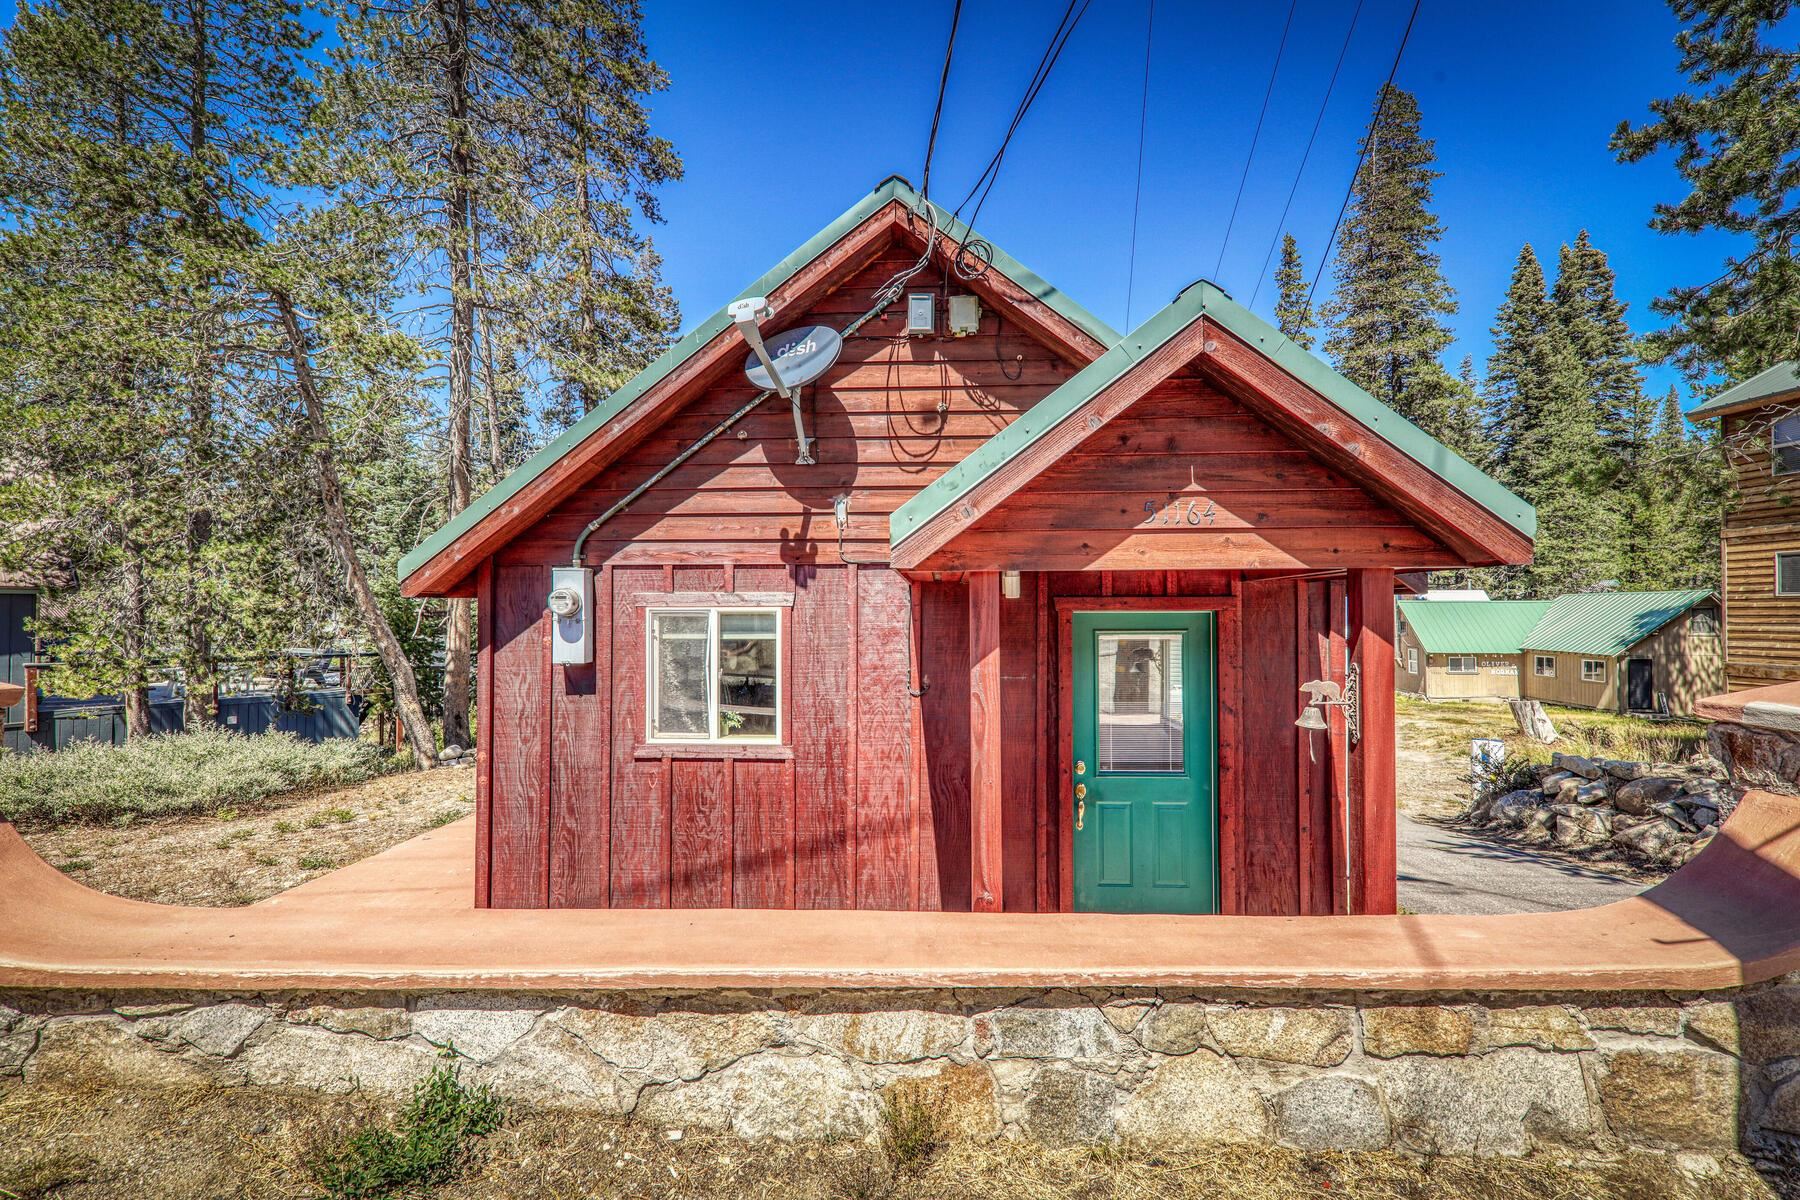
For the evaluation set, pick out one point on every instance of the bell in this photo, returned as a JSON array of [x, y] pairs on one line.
[[1310, 718]]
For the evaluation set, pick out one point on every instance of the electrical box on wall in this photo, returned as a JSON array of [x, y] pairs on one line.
[[921, 313], [572, 614], [965, 315]]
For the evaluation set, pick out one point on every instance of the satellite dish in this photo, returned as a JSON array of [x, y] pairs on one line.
[[801, 355]]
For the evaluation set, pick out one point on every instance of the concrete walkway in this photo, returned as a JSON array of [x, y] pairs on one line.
[[1448, 871]]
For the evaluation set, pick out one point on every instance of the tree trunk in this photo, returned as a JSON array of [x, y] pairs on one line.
[[454, 15], [343, 540], [1532, 720], [137, 610], [197, 647]]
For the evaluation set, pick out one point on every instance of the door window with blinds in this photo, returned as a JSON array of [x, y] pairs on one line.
[[1784, 445], [715, 675], [1140, 705]]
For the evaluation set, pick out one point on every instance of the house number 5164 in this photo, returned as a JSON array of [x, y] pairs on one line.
[[1177, 511]]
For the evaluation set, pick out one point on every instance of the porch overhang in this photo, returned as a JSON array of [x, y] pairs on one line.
[[1466, 517]]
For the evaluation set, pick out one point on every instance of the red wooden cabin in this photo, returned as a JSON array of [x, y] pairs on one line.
[[1029, 633]]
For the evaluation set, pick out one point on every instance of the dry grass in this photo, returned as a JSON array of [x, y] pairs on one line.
[[242, 856], [1432, 751], [97, 1145]]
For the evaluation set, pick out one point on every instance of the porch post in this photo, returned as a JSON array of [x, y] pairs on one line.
[[984, 742], [1373, 878]]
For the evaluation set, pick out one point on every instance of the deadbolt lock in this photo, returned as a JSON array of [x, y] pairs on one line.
[[1080, 767]]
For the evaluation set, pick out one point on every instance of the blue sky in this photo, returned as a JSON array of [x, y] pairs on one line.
[[785, 113]]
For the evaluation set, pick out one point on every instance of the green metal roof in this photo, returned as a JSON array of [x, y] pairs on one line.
[[1206, 299], [1606, 624], [892, 188], [1472, 626], [1779, 380]]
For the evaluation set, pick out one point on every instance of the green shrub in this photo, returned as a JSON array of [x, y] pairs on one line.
[[431, 1141], [913, 1128], [177, 774]]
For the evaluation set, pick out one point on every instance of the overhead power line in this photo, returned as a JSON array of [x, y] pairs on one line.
[[1256, 137], [1381, 107], [937, 111], [1138, 192], [984, 183], [1319, 120]]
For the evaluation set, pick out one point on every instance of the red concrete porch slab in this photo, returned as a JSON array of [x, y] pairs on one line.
[[403, 920], [1776, 706]]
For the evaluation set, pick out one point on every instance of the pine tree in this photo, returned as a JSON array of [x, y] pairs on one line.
[[1542, 426], [1386, 317], [1293, 307], [1736, 136], [1464, 429], [1591, 312], [510, 144]]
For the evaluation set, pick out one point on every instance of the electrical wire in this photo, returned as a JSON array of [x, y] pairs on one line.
[[1387, 89], [984, 183], [1137, 195], [1281, 224], [1256, 137], [937, 111]]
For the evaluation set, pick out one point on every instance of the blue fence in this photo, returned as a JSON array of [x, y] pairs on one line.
[[315, 717]]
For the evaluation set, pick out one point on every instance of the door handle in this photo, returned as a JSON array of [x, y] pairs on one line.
[[1080, 806]]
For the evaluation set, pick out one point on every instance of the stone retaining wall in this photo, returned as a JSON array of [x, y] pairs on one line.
[[1690, 1078]]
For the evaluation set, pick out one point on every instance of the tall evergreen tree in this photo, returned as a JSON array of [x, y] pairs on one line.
[[1293, 307], [1464, 428], [1385, 320], [1736, 138], [510, 144], [1542, 426], [1587, 303]]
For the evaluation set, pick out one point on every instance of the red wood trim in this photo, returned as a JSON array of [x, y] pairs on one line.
[[1374, 879], [986, 847], [1348, 445], [1065, 750], [1230, 756], [727, 599], [916, 733], [1079, 425], [707, 752], [1044, 805], [1068, 604], [31, 700], [1305, 656], [1336, 660], [449, 571], [484, 734], [547, 672], [603, 690]]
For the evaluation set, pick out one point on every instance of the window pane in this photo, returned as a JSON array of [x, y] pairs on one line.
[[1787, 574], [680, 704], [1139, 702], [747, 696]]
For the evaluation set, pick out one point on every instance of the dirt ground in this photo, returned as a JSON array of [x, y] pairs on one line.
[[244, 856], [71, 1143]]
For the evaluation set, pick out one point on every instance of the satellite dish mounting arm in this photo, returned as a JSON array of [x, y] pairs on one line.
[[745, 314]]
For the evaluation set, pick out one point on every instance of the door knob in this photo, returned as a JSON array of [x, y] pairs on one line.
[[1081, 791]]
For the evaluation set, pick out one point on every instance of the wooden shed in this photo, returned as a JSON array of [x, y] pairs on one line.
[[1028, 632], [1462, 649], [1657, 653]]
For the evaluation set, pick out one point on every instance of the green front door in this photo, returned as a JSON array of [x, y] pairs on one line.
[[1144, 753]]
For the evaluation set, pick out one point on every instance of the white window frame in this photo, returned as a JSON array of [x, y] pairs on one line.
[[653, 676], [1538, 664], [1450, 661], [1779, 591], [1598, 673], [1789, 440], [1412, 660]]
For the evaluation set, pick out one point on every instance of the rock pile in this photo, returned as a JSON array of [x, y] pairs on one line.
[[1663, 813]]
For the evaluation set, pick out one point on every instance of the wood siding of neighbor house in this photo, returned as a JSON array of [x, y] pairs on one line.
[[1566, 686], [866, 801], [1491, 678], [1762, 630], [1686, 666]]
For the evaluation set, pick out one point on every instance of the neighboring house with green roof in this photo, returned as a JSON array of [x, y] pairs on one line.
[[1643, 652], [1646, 652], [1462, 649], [1759, 544]]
